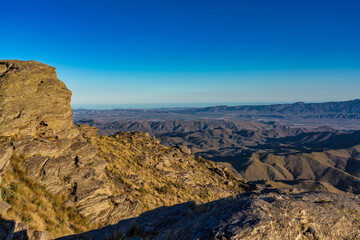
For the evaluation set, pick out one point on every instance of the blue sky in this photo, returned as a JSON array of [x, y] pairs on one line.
[[206, 52]]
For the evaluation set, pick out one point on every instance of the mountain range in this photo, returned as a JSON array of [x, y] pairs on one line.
[[168, 179], [344, 115]]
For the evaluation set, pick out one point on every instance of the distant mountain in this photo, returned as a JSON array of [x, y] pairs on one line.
[[298, 108], [345, 114], [156, 128]]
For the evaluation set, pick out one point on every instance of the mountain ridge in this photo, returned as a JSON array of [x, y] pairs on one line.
[[342, 114]]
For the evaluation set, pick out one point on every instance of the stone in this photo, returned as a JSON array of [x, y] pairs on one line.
[[36, 126], [21, 231], [184, 149], [6, 151], [245, 216], [32, 100], [4, 206], [41, 236]]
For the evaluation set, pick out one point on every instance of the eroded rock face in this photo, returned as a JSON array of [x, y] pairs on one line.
[[32, 100], [36, 127]]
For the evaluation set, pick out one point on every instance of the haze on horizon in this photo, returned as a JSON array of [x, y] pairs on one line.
[[188, 53]]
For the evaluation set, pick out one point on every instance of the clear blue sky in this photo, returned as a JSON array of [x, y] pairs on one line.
[[180, 52]]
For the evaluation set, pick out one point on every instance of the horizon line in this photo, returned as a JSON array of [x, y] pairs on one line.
[[147, 106]]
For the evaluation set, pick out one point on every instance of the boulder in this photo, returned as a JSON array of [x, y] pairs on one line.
[[4, 206]]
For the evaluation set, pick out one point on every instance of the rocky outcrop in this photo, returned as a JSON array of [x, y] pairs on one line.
[[37, 132], [33, 101], [67, 166], [266, 214]]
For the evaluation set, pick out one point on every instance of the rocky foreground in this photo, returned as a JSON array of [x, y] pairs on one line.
[[267, 214], [60, 179]]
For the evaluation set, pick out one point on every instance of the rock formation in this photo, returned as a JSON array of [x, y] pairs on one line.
[[36, 128], [33, 101]]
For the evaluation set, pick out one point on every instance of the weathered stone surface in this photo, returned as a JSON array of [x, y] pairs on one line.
[[6, 151], [4, 206], [32, 100], [21, 231], [267, 214], [75, 170], [36, 126], [39, 147], [41, 236]]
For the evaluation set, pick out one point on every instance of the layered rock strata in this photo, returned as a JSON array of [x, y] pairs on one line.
[[36, 126]]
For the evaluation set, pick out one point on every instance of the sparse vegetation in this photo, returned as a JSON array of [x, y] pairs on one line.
[[32, 204], [138, 166]]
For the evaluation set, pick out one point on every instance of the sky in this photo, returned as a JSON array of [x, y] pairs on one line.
[[139, 53]]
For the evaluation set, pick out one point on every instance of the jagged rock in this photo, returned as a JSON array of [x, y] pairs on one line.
[[33, 101], [36, 125], [184, 149], [41, 236], [267, 214], [21, 231], [88, 131]]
